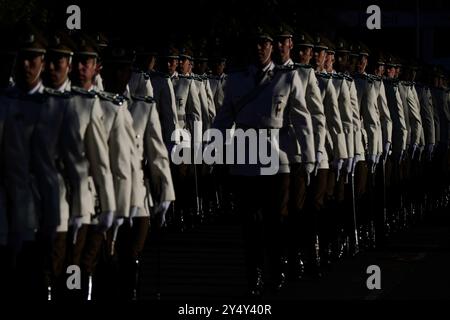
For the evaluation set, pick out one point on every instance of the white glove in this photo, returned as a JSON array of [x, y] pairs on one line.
[[319, 158], [161, 211], [429, 150], [76, 223], [118, 222], [401, 156], [134, 211], [337, 165], [309, 168], [413, 150], [372, 162], [349, 165], [105, 220], [387, 148], [356, 159]]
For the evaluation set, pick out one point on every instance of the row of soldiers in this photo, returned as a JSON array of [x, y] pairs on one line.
[[364, 150], [88, 129]]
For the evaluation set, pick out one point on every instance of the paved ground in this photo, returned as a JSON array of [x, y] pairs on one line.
[[206, 264]]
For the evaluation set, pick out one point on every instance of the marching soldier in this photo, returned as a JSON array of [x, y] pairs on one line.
[[413, 120], [263, 199], [297, 222], [100, 183], [384, 146], [218, 79], [335, 231], [59, 175], [357, 170], [152, 181], [163, 93], [25, 104], [335, 152], [189, 114], [399, 139], [367, 100]]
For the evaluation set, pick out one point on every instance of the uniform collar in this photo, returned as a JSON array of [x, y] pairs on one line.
[[38, 88]]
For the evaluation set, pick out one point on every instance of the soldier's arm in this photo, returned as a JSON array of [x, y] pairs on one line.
[[415, 119], [97, 150], [356, 121], [436, 120], [165, 103], [301, 119], [370, 118], [385, 115], [401, 115], [158, 158], [315, 107], [345, 109], [75, 163], [334, 122], [120, 160], [426, 112]]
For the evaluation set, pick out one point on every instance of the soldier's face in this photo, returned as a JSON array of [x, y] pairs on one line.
[[319, 58], [285, 46], [379, 70], [57, 70], [397, 72], [28, 68], [202, 67], [361, 64], [184, 66], [329, 61], [219, 68], [172, 65], [390, 72], [342, 60], [305, 54], [264, 51], [84, 70]]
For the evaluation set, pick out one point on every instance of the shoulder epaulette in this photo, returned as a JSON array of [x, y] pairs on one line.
[[284, 68], [147, 99], [56, 93], [347, 77], [112, 97], [83, 92], [324, 75], [337, 76], [182, 76], [303, 65]]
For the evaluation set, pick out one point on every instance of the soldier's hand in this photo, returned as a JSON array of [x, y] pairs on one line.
[[76, 223], [309, 168], [337, 165], [429, 150], [413, 150], [134, 211], [319, 158], [349, 165], [161, 210], [357, 158], [105, 221]]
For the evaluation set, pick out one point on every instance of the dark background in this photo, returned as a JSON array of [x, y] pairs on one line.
[[414, 28]]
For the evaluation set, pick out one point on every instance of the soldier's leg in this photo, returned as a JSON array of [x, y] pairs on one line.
[[58, 264], [130, 244], [249, 210], [275, 212], [315, 201], [91, 279], [74, 252], [361, 180], [293, 223]]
